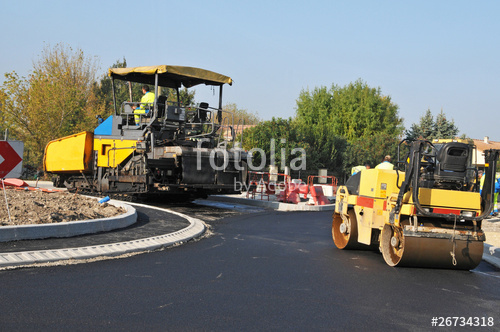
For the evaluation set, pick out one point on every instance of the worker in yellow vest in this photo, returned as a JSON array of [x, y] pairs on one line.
[[481, 177], [357, 169], [146, 104], [385, 164], [495, 195]]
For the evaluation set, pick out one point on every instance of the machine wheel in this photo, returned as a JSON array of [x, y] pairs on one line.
[[58, 181], [392, 244], [345, 234]]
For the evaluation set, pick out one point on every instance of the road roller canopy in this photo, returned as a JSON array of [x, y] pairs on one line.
[[170, 76]]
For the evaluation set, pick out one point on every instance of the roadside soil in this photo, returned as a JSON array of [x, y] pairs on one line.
[[37, 207]]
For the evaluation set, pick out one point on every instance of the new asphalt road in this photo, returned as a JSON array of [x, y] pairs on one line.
[[260, 271]]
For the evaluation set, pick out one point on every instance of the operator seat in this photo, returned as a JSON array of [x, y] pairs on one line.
[[161, 102], [203, 111], [352, 184], [452, 162]]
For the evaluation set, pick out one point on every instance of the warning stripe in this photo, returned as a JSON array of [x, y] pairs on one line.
[[446, 211], [365, 202], [368, 202]]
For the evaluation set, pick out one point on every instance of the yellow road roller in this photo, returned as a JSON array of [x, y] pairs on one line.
[[427, 212]]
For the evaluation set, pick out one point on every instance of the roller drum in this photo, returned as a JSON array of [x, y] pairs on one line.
[[425, 250], [345, 232]]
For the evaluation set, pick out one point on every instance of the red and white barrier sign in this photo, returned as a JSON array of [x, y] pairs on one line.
[[11, 157]]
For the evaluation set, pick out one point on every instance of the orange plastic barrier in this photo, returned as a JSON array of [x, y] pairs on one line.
[[19, 184], [14, 183]]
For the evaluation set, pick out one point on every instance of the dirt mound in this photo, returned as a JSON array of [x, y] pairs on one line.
[[37, 207]]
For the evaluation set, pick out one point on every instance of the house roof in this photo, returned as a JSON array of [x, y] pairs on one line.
[[486, 144]]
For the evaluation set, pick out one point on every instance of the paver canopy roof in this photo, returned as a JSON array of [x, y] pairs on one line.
[[170, 76]]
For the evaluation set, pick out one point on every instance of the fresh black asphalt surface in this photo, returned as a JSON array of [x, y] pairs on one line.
[[265, 271]]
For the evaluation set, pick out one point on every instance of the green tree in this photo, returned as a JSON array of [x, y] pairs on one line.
[[55, 100], [186, 97], [370, 151], [3, 118], [278, 136], [444, 128], [242, 116], [335, 121], [104, 91], [429, 129], [353, 111]]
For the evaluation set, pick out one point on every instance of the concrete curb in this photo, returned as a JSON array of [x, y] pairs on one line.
[[195, 229], [73, 228], [286, 207]]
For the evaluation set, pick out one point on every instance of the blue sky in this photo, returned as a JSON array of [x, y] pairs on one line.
[[423, 54]]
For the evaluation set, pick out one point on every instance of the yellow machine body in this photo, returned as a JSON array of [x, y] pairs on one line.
[[361, 218], [112, 152], [75, 153], [377, 192], [449, 200], [69, 154]]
